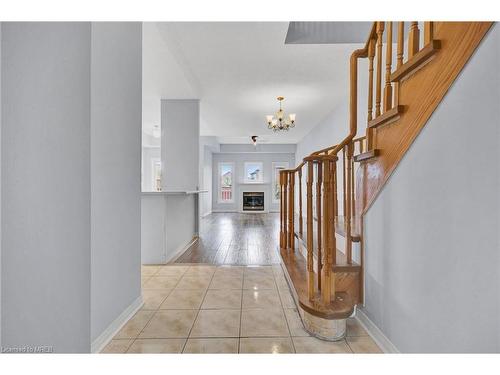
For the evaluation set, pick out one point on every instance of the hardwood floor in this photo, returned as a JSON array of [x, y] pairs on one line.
[[236, 239]]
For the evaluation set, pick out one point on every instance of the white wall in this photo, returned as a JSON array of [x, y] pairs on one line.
[[432, 235], [0, 185], [46, 185], [239, 159], [70, 180], [180, 128], [115, 170], [163, 76]]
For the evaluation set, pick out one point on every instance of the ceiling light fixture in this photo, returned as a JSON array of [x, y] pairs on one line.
[[279, 122], [254, 140]]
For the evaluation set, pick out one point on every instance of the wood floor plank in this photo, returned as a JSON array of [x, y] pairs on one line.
[[236, 239]]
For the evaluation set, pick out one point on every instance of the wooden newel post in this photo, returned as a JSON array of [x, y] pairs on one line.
[[327, 234], [291, 211], [319, 182], [310, 234], [348, 209]]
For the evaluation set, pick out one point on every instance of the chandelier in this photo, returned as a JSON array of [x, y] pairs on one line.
[[279, 122]]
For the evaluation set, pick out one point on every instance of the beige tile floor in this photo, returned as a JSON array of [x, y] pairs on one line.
[[223, 309]]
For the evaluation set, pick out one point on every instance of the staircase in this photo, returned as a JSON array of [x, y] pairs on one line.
[[321, 231]]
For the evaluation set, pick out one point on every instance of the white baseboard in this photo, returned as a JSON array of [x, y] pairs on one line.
[[105, 337], [182, 249], [376, 334]]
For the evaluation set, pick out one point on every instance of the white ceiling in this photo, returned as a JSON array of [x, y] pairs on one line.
[[238, 70]]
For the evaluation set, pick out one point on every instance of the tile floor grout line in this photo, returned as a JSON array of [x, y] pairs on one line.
[[283, 311], [135, 338], [349, 346], [197, 313], [241, 311]]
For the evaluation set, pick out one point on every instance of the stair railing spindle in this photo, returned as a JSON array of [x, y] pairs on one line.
[[371, 56], [401, 44], [413, 39], [310, 234], [428, 32], [344, 165], [388, 67], [378, 91]]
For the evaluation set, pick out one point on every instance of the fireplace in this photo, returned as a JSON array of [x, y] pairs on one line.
[[253, 201]]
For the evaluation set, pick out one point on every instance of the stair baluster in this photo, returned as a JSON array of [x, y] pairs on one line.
[[413, 39], [378, 90], [428, 32], [388, 66], [310, 234]]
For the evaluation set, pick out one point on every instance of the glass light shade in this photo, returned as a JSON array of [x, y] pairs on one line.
[[269, 118], [292, 117], [280, 114], [274, 121]]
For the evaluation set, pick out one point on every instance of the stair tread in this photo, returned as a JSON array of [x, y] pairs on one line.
[[340, 308], [341, 259]]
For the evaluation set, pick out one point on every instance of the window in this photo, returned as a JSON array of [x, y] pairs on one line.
[[277, 167], [254, 172], [226, 175]]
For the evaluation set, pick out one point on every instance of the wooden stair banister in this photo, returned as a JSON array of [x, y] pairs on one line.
[[327, 282]]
